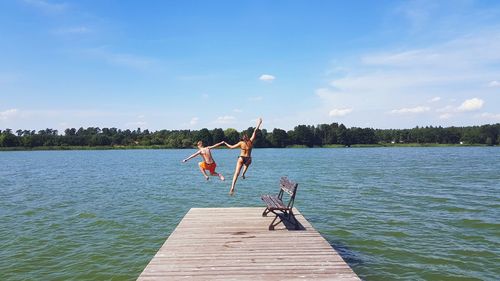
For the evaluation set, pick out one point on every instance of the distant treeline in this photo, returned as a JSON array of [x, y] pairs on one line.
[[320, 135]]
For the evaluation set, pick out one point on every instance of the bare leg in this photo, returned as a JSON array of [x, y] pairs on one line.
[[245, 168], [221, 177], [235, 176], [203, 171]]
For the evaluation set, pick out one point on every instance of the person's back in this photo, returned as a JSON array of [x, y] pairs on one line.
[[207, 155], [246, 148]]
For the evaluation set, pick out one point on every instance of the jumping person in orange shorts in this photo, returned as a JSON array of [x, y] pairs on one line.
[[208, 161]]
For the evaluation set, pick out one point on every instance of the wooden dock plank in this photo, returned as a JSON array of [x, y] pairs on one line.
[[235, 244]]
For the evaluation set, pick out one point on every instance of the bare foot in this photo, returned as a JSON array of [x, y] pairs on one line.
[[231, 192], [221, 177], [206, 177], [243, 176]]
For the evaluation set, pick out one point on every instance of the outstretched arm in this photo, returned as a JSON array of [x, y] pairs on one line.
[[255, 130], [193, 155], [215, 145], [233, 146]]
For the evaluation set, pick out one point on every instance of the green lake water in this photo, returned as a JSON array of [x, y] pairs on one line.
[[392, 213]]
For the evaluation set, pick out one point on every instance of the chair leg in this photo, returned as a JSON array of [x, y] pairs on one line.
[[272, 225], [266, 211]]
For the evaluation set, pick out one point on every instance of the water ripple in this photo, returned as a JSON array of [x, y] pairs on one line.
[[392, 213]]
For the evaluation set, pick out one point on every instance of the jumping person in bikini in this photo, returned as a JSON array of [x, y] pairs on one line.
[[208, 161], [245, 158]]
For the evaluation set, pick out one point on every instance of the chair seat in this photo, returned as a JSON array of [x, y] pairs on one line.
[[273, 202]]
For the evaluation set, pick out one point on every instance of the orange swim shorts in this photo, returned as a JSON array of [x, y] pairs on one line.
[[209, 167]]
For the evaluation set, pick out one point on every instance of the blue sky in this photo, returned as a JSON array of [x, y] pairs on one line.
[[222, 64]]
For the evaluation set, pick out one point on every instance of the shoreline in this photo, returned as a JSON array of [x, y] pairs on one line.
[[131, 147]]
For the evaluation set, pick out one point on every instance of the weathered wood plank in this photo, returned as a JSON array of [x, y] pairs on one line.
[[235, 244]]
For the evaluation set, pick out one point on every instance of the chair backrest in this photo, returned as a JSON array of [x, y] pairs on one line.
[[288, 186]]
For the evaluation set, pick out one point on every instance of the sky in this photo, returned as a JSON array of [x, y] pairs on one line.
[[222, 64]]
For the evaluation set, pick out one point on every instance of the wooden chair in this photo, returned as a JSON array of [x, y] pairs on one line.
[[275, 204]]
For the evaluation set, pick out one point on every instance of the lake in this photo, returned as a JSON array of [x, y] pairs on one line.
[[393, 213]]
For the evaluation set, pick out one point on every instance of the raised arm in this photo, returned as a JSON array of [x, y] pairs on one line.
[[193, 155], [259, 122], [215, 145]]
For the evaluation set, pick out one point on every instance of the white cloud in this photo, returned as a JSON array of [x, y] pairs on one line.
[[404, 58], [237, 110], [106, 117], [8, 114], [445, 116], [225, 120], [471, 105], [494, 84], [468, 105], [386, 82], [339, 112], [412, 110], [267, 77], [447, 109], [491, 116], [194, 121], [464, 61]]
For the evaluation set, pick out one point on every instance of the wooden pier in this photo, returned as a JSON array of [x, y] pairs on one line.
[[235, 244]]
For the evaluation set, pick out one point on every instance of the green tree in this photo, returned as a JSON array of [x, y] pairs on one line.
[[279, 138], [489, 133], [7, 139], [232, 136], [205, 136], [344, 136], [187, 143], [304, 135], [218, 135]]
